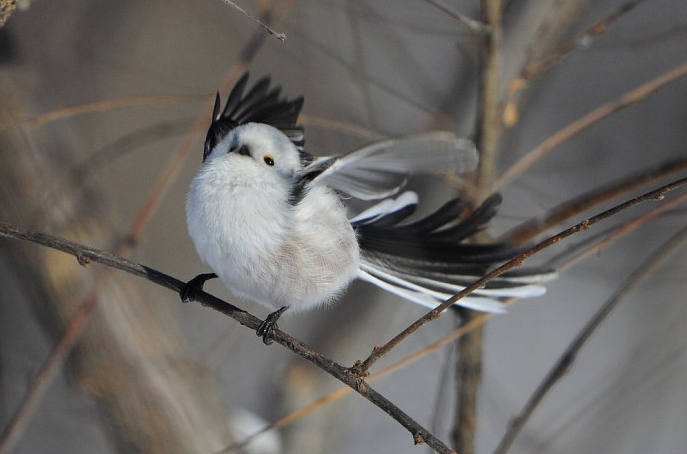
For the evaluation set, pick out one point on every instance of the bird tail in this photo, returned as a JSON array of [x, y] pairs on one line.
[[427, 261]]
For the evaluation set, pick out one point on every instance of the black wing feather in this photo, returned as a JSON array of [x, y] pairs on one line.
[[261, 105], [429, 245]]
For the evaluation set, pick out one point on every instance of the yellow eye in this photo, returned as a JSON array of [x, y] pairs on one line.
[[268, 160]]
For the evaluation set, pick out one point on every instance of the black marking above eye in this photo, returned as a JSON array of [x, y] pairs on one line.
[[268, 160]]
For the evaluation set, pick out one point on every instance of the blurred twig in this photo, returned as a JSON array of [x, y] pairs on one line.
[[568, 357], [99, 106], [533, 67], [361, 367], [127, 143], [631, 97], [473, 25], [341, 126], [534, 226], [85, 255], [267, 28]]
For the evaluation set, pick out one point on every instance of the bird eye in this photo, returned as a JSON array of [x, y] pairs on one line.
[[268, 160], [244, 150]]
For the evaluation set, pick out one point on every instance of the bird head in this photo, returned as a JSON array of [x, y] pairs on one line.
[[257, 150]]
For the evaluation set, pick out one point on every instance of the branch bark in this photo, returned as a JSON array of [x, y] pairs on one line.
[[85, 255]]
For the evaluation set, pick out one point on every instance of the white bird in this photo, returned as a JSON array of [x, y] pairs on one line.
[[271, 222]]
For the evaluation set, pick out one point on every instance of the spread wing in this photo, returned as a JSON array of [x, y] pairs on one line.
[[381, 169], [261, 104]]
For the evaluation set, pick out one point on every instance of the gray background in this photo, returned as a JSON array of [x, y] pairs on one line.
[[395, 68]]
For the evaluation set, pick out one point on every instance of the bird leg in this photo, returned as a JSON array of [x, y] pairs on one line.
[[265, 329], [194, 285]]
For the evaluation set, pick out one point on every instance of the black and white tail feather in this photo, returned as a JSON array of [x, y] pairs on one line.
[[427, 262]]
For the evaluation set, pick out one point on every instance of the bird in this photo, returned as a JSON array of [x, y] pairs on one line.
[[274, 222]]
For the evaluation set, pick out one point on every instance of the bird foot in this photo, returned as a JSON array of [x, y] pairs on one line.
[[267, 327], [193, 286]]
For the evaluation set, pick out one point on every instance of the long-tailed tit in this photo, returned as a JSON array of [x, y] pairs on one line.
[[271, 222]]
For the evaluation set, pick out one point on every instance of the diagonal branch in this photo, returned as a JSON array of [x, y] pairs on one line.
[[85, 255], [533, 68], [631, 97], [568, 357], [533, 226], [361, 368]]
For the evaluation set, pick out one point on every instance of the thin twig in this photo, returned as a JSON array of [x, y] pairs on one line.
[[85, 254], [632, 97], [475, 26], [565, 362], [533, 68], [267, 28], [621, 230], [534, 226], [99, 106], [361, 367], [127, 143], [341, 126]]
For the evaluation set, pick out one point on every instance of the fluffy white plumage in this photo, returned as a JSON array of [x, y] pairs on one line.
[[263, 247]]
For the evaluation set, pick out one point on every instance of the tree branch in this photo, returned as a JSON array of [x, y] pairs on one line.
[[631, 97], [568, 357], [533, 68], [85, 255], [361, 367], [533, 226]]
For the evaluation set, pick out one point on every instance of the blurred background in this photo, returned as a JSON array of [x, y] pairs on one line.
[[103, 109]]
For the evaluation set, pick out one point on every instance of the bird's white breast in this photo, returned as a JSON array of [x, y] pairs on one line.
[[264, 248]]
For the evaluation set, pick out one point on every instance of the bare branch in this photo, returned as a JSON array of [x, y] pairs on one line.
[[85, 255], [533, 226], [579, 125], [568, 357], [533, 68], [106, 104], [619, 231], [361, 368]]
